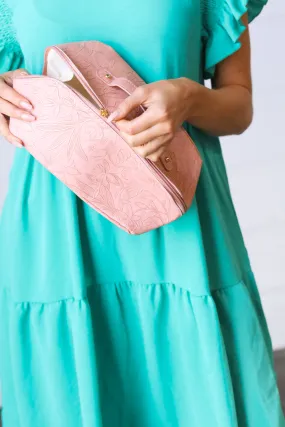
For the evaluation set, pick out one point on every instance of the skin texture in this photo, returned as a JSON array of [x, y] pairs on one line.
[[12, 104], [223, 110]]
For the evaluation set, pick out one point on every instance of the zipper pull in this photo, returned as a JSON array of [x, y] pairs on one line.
[[104, 113]]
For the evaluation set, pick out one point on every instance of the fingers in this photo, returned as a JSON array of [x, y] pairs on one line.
[[150, 150], [11, 75], [139, 124], [11, 111], [12, 104], [149, 143], [133, 101], [4, 131], [154, 157], [7, 93], [142, 138]]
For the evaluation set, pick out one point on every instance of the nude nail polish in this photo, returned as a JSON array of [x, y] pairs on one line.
[[26, 105], [113, 116], [28, 117]]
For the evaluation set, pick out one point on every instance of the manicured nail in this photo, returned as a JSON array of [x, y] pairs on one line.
[[26, 105], [28, 117], [113, 115], [24, 73]]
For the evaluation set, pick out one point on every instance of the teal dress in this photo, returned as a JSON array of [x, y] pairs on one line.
[[103, 329]]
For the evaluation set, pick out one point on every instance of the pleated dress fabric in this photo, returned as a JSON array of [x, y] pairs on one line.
[[103, 329]]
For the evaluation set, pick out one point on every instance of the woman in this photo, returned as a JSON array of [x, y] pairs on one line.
[[103, 329]]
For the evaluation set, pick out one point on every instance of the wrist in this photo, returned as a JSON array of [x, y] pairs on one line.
[[195, 97]]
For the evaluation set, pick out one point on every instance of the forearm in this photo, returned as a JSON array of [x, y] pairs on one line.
[[219, 112]]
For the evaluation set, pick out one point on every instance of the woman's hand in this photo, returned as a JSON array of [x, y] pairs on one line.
[[12, 104], [168, 103], [224, 110]]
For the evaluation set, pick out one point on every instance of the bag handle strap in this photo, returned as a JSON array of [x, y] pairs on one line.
[[122, 83]]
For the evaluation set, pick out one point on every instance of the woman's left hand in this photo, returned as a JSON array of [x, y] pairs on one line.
[[167, 105]]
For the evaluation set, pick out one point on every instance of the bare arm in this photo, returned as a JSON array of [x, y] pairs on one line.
[[226, 109]]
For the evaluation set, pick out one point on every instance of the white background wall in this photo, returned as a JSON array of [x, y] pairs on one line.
[[256, 167]]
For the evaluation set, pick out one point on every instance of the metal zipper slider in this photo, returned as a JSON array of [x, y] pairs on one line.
[[104, 112]]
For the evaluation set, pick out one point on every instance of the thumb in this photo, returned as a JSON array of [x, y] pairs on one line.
[[8, 77], [133, 101], [19, 72]]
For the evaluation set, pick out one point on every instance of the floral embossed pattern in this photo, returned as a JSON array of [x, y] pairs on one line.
[[85, 153], [95, 60], [88, 154]]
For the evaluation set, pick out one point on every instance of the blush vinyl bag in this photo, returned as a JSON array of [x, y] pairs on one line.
[[82, 83]]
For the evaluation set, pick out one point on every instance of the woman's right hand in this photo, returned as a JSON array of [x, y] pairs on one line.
[[12, 104]]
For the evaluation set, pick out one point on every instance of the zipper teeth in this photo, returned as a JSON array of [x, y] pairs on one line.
[[178, 199], [166, 183], [170, 187], [79, 76]]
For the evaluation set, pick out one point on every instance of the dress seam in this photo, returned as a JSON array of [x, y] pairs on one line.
[[140, 285]]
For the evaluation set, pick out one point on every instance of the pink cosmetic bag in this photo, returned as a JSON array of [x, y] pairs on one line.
[[72, 138]]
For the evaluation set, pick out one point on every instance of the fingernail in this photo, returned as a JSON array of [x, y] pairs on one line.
[[26, 105], [28, 117], [24, 73], [113, 115]]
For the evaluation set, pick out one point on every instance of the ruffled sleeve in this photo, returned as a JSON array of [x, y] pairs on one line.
[[222, 28], [11, 56]]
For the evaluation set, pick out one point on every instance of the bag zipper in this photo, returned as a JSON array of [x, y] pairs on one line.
[[103, 111], [176, 194], [166, 183]]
